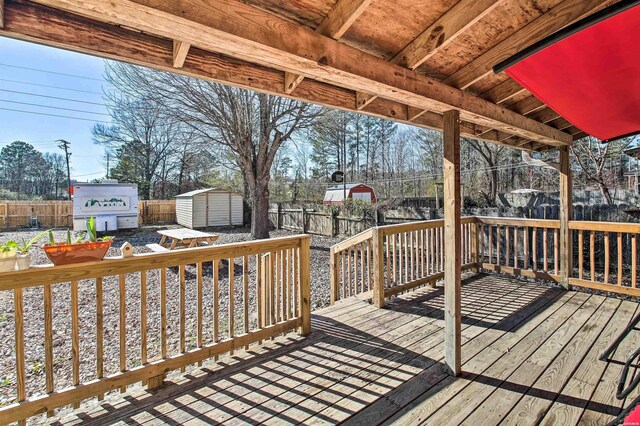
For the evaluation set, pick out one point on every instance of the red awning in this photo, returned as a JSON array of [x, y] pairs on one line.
[[590, 77]]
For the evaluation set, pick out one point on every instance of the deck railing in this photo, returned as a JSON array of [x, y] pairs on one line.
[[525, 247], [607, 256], [202, 301], [396, 258]]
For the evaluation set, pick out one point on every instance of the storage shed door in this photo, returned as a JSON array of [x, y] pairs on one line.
[[237, 207], [219, 209]]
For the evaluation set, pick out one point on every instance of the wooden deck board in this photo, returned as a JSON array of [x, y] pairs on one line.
[[530, 355]]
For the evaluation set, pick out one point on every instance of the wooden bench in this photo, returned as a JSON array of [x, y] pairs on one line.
[[157, 248]]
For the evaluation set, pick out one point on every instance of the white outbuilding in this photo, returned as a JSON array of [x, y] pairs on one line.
[[209, 207]]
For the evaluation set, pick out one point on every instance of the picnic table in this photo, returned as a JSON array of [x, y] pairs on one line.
[[182, 238]]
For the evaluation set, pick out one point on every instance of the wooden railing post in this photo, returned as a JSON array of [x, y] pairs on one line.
[[378, 268], [305, 285], [335, 275], [566, 242]]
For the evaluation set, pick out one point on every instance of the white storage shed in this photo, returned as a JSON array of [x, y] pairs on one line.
[[209, 207]]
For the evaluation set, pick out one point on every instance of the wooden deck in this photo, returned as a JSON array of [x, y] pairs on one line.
[[530, 356]]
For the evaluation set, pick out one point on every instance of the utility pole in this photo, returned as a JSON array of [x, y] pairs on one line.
[[62, 144]]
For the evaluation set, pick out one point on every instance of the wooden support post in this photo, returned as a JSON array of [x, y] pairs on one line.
[[378, 268], [452, 242], [566, 243], [305, 285]]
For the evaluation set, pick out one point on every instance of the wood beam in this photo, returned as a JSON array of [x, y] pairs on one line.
[[343, 14], [363, 99], [341, 17], [180, 51], [438, 35], [565, 215], [1, 13], [236, 29], [452, 244], [555, 19], [414, 113], [503, 91], [579, 136]]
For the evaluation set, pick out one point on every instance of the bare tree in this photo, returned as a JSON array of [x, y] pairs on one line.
[[594, 160], [252, 126]]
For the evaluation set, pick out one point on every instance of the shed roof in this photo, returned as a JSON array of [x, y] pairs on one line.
[[202, 191]]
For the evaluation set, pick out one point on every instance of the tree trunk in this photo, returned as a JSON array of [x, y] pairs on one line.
[[260, 209], [604, 190]]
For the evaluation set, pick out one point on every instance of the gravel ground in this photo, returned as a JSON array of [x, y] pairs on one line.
[[34, 311]]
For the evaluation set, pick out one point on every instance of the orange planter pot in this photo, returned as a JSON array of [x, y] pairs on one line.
[[63, 254]]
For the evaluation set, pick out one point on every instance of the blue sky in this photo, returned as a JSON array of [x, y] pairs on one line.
[[83, 77]]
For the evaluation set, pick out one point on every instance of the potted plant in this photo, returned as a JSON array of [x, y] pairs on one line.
[[8, 253], [23, 258], [86, 247]]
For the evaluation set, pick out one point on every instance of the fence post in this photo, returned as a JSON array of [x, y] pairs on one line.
[[279, 217], [378, 268], [335, 276], [334, 224], [305, 285], [304, 221]]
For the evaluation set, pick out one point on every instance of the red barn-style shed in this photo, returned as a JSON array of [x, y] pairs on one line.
[[357, 191]]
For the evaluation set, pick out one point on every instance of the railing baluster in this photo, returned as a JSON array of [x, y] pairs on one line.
[[286, 304], [369, 263], [525, 236], [199, 302], [349, 271], [99, 334], [361, 251], [48, 340], [260, 290], [394, 256], [580, 254], [216, 301], [592, 254], [344, 274], [245, 292], [19, 336], [507, 246], [75, 337], [143, 317], [634, 261], [232, 303], [555, 252], [163, 312], [182, 310], [534, 247], [123, 325], [296, 282], [515, 246], [490, 244], [498, 241], [606, 257], [620, 269], [545, 244]]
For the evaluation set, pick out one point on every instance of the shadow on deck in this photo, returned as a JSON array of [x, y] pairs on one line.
[[529, 355]]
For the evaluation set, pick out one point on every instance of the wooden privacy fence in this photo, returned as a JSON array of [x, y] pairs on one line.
[[328, 224], [59, 214], [201, 310], [387, 260]]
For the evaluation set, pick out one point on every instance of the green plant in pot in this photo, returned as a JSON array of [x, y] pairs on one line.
[[85, 247], [24, 258], [8, 254]]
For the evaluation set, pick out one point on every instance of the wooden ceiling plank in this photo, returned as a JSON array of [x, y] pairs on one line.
[[341, 17], [528, 106], [413, 113], [454, 22], [343, 14], [363, 99], [579, 136], [555, 19], [545, 115], [1, 13], [180, 51], [236, 29], [503, 91]]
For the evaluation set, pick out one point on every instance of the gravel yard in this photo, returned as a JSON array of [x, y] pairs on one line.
[[34, 311]]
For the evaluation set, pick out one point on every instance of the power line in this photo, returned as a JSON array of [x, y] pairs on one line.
[[54, 115], [49, 86], [54, 107], [53, 97], [51, 72]]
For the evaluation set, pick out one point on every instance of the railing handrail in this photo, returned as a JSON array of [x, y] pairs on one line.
[[356, 239], [515, 221], [625, 227], [39, 275]]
